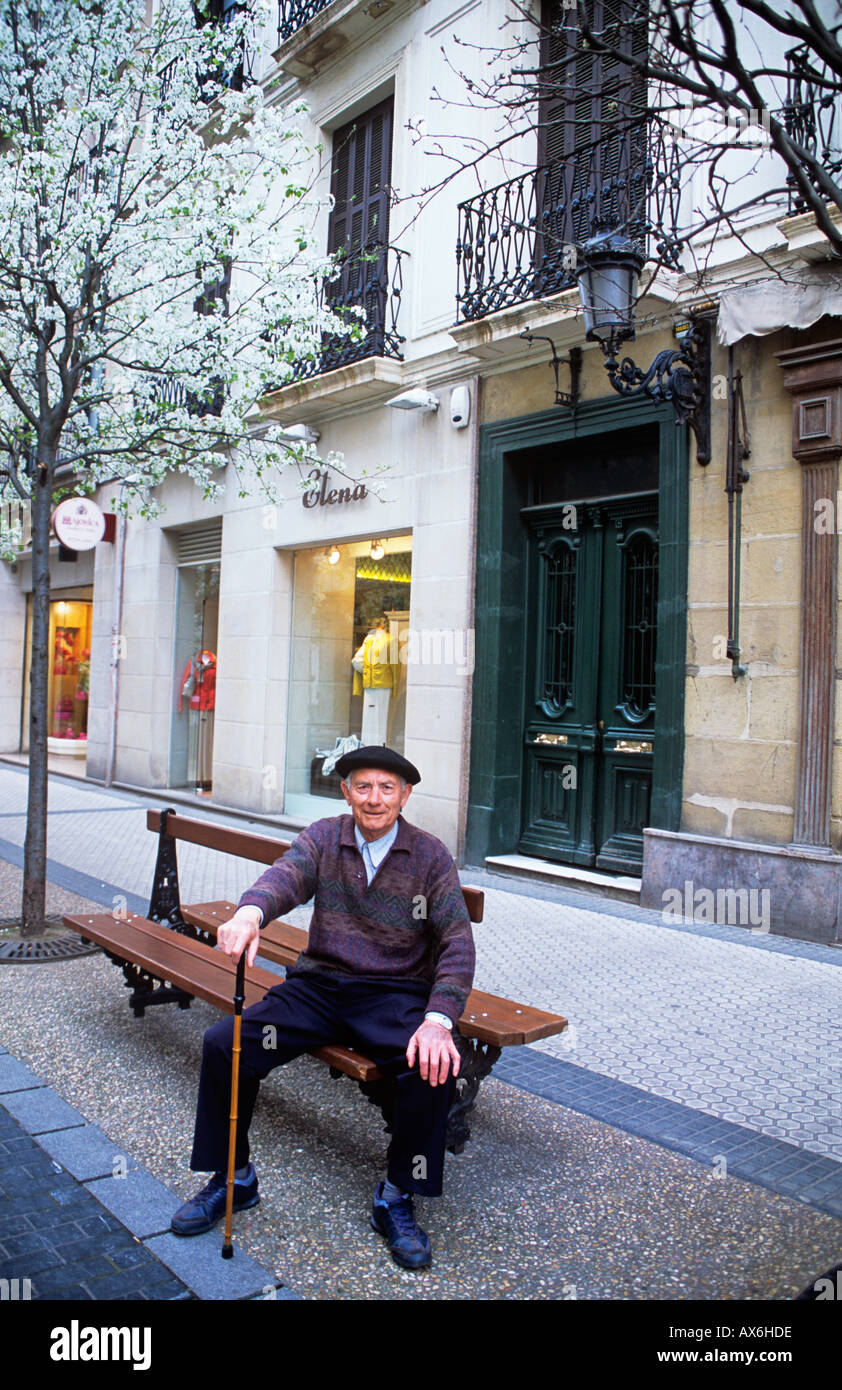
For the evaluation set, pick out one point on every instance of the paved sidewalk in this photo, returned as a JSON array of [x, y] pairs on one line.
[[80, 1220], [741, 1026], [56, 1239], [604, 1165]]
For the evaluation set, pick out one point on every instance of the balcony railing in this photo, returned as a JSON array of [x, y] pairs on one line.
[[372, 280], [812, 116], [520, 240], [170, 391], [240, 74], [294, 14]]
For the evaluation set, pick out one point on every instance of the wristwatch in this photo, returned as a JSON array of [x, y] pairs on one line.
[[439, 1018]]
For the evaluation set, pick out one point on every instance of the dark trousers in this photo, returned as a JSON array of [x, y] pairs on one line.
[[308, 1011]]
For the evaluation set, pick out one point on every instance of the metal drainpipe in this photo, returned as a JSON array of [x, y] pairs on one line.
[[116, 645], [465, 769]]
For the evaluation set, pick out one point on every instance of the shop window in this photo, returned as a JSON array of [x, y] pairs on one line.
[[347, 672], [196, 631], [68, 682], [69, 678]]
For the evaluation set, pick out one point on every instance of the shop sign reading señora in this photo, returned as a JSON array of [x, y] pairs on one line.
[[318, 495]]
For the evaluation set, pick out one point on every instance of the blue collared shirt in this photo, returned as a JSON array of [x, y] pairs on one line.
[[375, 851]]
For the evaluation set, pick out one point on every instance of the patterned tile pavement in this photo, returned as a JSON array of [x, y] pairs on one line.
[[671, 1025]]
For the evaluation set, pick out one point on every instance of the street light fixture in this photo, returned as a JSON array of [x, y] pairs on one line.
[[609, 279]]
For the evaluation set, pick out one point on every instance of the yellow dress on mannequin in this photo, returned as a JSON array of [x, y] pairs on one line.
[[376, 681]]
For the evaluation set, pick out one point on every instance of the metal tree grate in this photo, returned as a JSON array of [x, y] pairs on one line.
[[37, 950]]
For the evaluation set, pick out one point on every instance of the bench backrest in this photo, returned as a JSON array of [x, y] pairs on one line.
[[262, 849]]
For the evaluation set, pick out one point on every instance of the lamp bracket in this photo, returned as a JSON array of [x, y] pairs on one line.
[[573, 361], [680, 375]]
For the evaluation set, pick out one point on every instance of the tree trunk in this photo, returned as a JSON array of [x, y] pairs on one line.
[[35, 845]]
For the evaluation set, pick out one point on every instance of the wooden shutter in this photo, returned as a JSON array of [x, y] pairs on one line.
[[362, 161], [359, 221], [588, 104]]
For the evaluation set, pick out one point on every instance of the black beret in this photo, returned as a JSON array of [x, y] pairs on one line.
[[378, 755]]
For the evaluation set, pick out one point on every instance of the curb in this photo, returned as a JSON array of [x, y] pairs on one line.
[[126, 1189]]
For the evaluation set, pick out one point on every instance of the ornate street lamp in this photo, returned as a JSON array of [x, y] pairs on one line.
[[608, 277]]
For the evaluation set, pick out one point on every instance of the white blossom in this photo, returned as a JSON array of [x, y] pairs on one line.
[[157, 270]]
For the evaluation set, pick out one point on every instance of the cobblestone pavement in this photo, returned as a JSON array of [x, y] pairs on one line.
[[55, 1235], [699, 1056]]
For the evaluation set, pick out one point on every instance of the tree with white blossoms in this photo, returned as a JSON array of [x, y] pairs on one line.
[[155, 276]]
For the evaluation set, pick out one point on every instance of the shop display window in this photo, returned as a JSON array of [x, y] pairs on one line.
[[68, 687], [347, 673], [194, 677]]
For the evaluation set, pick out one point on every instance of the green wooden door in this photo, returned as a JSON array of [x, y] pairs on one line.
[[590, 645]]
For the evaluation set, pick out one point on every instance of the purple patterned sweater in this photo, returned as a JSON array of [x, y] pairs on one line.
[[409, 923]]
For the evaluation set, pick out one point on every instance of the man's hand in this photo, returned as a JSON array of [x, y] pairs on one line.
[[436, 1052], [243, 930]]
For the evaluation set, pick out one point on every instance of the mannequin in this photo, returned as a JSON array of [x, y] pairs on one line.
[[198, 684], [375, 677]]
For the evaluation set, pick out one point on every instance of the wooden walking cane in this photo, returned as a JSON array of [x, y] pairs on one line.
[[239, 996]]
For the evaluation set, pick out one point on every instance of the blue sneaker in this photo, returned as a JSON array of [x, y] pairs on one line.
[[410, 1246], [203, 1211]]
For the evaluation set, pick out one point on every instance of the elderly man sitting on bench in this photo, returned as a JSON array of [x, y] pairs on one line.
[[387, 970]]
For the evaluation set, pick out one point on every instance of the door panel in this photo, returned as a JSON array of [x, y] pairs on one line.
[[591, 628]]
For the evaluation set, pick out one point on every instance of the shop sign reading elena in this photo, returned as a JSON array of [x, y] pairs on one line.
[[78, 523], [318, 495]]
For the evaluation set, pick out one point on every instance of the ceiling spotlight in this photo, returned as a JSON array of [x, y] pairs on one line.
[[417, 399], [378, 550], [333, 555]]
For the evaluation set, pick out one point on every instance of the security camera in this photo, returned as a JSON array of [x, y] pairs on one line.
[[460, 407]]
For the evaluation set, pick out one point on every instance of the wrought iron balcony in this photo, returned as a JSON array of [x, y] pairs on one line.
[[519, 241], [240, 74], [170, 391], [370, 279], [812, 116], [294, 14]]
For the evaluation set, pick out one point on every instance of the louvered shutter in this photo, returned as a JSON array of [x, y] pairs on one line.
[[200, 544], [359, 221], [591, 120]]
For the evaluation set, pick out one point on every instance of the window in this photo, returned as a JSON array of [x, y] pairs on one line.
[[194, 657], [348, 658], [592, 125], [242, 64], [68, 672], [370, 270], [359, 227]]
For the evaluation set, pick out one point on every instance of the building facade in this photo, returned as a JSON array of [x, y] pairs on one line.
[[610, 648]]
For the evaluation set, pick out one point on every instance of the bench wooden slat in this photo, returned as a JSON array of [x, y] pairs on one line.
[[520, 1022], [199, 970], [279, 941], [487, 1017], [165, 954], [262, 849]]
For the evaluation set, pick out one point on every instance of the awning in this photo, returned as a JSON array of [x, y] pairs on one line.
[[767, 305]]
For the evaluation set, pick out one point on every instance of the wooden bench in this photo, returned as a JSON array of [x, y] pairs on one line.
[[168, 957]]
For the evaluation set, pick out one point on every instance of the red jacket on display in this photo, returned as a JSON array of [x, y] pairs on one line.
[[198, 682]]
